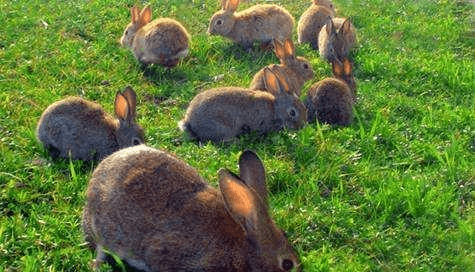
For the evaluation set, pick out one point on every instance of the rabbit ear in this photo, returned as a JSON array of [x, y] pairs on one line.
[[131, 97], [240, 200], [279, 49], [337, 68], [289, 48], [231, 5], [135, 14], [146, 15], [122, 109], [347, 66], [329, 27], [345, 27], [252, 172], [270, 81]]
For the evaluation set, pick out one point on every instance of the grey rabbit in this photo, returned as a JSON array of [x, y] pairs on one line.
[[225, 113], [83, 130], [312, 21], [157, 214]]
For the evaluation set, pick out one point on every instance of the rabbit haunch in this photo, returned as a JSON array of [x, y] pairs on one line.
[[158, 214], [312, 21], [259, 22], [225, 113], [163, 41], [82, 129]]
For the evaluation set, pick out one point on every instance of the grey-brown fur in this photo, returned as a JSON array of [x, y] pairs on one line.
[[260, 22], [312, 21], [82, 129], [163, 41], [156, 213], [331, 100], [294, 70], [336, 39], [225, 113]]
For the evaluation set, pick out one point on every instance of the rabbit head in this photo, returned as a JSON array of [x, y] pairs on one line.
[[139, 20], [289, 110], [222, 22], [245, 198], [325, 3], [128, 133], [344, 70], [336, 39], [286, 54]]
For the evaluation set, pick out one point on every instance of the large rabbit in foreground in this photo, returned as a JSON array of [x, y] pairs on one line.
[[82, 129], [260, 22], [312, 21], [225, 113], [336, 39], [156, 213], [163, 41], [331, 100], [295, 70]]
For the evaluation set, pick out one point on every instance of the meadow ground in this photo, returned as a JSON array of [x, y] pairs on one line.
[[394, 191]]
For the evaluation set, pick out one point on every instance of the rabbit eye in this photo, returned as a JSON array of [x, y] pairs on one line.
[[292, 112], [219, 22], [136, 141], [287, 264], [305, 66]]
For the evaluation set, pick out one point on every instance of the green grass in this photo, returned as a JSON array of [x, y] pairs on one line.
[[394, 191]]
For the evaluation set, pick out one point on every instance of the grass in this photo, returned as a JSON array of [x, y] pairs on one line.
[[394, 191]]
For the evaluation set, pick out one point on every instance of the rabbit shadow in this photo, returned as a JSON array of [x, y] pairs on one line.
[[158, 74]]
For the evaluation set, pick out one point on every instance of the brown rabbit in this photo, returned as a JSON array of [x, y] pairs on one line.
[[225, 113], [336, 39], [331, 100], [259, 22], [157, 214], [82, 129], [295, 70], [312, 21], [163, 41]]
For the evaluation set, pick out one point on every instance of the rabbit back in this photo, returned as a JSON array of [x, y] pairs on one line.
[[225, 113], [79, 127], [330, 101], [162, 41], [311, 22]]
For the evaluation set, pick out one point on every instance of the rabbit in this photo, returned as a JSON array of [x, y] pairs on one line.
[[295, 70], [312, 21], [163, 41], [83, 130], [222, 114], [259, 22], [331, 100], [336, 39], [157, 214]]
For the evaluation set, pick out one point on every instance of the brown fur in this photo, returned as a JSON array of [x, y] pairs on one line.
[[158, 214], [294, 71], [259, 22], [163, 41], [312, 21], [82, 129]]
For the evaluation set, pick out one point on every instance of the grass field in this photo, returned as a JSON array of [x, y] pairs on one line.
[[394, 191]]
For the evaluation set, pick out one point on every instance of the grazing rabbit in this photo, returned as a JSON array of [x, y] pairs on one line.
[[336, 39], [225, 113], [331, 100], [163, 41], [295, 70], [82, 129], [312, 21], [157, 214], [259, 22]]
